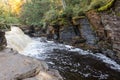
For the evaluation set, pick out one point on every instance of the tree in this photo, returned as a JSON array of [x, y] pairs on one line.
[[33, 11], [64, 4]]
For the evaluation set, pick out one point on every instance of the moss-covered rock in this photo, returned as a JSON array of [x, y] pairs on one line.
[[76, 19], [106, 6]]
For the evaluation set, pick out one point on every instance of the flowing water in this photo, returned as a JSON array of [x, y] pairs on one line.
[[72, 63], [16, 39]]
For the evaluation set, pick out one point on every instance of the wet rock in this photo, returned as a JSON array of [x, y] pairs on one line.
[[78, 39], [97, 26], [33, 30], [109, 53], [117, 7], [19, 67], [67, 33], [112, 24], [3, 42], [43, 39], [87, 32], [56, 35], [50, 32], [104, 45]]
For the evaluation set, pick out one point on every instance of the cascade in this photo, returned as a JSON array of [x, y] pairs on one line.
[[75, 62], [16, 39]]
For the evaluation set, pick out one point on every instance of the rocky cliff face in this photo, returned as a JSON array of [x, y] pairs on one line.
[[111, 22]]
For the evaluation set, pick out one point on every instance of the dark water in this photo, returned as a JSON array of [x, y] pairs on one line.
[[73, 66], [74, 63]]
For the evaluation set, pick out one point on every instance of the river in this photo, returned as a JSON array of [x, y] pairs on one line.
[[72, 63]]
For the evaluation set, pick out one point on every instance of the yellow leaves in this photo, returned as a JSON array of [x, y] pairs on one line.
[[15, 5]]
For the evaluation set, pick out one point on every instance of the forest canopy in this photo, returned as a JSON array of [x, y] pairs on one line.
[[38, 12]]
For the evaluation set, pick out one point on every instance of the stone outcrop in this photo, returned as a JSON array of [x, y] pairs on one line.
[[14, 66], [33, 30], [111, 23], [95, 20], [3, 42], [67, 33]]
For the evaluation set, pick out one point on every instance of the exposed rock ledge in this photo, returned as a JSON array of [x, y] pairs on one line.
[[14, 66]]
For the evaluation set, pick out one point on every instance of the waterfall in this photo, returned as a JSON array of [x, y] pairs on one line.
[[43, 49], [16, 39]]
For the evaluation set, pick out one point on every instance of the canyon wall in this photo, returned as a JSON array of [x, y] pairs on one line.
[[111, 22]]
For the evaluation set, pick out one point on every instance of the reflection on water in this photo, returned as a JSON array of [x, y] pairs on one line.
[[73, 63]]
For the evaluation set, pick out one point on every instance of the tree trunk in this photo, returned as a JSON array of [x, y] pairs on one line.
[[64, 4]]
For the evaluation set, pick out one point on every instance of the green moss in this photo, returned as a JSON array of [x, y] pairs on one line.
[[78, 17], [63, 22], [105, 7], [118, 14], [95, 4]]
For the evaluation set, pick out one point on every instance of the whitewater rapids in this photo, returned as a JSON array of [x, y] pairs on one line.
[[39, 47]]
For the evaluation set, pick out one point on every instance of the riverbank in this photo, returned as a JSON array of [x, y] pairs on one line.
[[72, 63], [14, 66]]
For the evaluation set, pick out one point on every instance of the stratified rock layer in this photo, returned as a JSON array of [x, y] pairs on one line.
[[111, 23]]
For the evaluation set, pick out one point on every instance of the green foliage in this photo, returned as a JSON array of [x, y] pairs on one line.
[[6, 18], [11, 20], [95, 4], [78, 11], [33, 12], [67, 12], [75, 8], [38, 12], [51, 15]]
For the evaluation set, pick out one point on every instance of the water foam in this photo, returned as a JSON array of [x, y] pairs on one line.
[[16, 39], [39, 49]]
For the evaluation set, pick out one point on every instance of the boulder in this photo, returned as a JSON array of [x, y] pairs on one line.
[[14, 66]]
